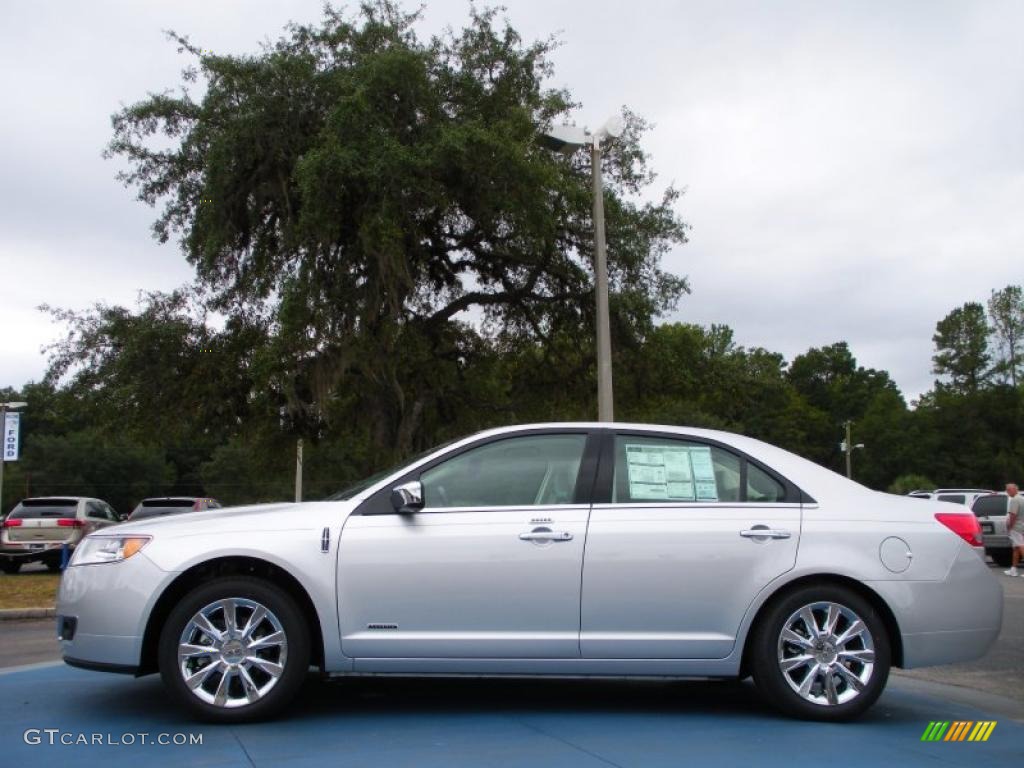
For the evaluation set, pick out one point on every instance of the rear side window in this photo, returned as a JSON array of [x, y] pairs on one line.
[[32, 508], [986, 506], [955, 498], [168, 503], [762, 487]]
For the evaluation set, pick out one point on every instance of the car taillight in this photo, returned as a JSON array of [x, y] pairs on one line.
[[69, 522], [964, 526], [12, 523]]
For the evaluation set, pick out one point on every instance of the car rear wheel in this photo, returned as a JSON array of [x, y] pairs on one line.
[[10, 566], [235, 649], [821, 653]]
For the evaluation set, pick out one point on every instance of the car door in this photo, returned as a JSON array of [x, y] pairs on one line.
[[686, 536], [489, 568]]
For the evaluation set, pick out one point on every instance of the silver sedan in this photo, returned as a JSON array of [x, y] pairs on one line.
[[557, 550]]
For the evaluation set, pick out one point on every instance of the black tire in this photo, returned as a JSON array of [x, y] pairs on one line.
[[1001, 557], [10, 566], [53, 566], [773, 684], [293, 624]]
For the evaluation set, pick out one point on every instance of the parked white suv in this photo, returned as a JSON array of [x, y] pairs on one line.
[[37, 529]]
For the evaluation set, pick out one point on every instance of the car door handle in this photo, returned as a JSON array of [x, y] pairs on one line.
[[546, 536], [763, 532]]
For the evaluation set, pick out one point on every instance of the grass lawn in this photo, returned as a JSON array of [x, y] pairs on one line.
[[28, 590]]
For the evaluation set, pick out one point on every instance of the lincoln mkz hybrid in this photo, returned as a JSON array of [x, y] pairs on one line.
[[545, 550]]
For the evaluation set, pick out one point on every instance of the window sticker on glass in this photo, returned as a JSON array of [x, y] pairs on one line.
[[703, 473], [659, 472]]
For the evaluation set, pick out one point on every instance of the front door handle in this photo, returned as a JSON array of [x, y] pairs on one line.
[[764, 532], [546, 535]]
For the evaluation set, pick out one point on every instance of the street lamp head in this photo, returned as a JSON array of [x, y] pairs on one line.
[[13, 406], [612, 128], [568, 138], [565, 138]]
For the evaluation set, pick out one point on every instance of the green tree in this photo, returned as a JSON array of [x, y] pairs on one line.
[[91, 464], [904, 484], [836, 388], [961, 347], [360, 189], [1006, 312]]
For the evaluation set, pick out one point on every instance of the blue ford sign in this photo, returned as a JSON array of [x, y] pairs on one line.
[[12, 424]]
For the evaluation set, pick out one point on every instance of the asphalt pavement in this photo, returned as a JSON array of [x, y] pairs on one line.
[[99, 720]]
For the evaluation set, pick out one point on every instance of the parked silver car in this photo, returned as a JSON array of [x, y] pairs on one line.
[[37, 529], [557, 549]]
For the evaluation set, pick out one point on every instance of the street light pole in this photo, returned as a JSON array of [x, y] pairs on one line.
[[605, 401], [849, 451], [298, 471], [848, 448], [568, 139]]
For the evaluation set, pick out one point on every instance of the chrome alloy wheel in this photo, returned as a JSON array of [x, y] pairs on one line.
[[826, 653], [232, 652]]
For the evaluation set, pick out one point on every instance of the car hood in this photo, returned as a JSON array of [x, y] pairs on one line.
[[255, 517]]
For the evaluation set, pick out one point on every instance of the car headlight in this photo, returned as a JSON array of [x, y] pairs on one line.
[[107, 549]]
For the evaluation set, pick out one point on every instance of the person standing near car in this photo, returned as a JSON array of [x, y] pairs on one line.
[[1015, 527]]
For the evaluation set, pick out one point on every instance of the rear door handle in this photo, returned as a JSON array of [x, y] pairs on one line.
[[546, 536], [764, 532]]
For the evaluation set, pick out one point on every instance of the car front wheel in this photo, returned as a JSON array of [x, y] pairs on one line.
[[235, 649], [821, 653]]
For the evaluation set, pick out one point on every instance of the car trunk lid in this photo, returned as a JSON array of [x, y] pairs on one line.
[[43, 520]]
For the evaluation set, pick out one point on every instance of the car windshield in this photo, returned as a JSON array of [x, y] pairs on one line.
[[362, 485], [44, 508]]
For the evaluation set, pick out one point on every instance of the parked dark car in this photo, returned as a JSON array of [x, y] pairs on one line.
[[172, 505]]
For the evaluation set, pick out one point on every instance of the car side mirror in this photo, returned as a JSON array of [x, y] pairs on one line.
[[407, 498]]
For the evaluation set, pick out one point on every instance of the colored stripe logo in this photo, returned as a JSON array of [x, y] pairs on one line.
[[958, 730]]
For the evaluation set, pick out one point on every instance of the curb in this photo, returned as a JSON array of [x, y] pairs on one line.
[[13, 614]]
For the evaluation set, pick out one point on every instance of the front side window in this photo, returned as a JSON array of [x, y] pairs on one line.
[[649, 469], [519, 471]]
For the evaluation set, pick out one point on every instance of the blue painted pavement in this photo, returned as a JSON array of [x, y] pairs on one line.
[[425, 723]]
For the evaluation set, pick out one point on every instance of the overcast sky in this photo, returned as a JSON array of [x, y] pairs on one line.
[[853, 170]]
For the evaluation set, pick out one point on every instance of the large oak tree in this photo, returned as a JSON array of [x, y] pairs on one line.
[[381, 201]]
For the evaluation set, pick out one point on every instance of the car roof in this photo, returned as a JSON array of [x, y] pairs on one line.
[[61, 498], [812, 478]]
